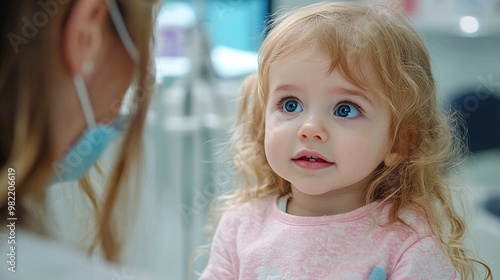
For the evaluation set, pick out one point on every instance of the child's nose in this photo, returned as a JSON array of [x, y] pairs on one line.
[[312, 129]]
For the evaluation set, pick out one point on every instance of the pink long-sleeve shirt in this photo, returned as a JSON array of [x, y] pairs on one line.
[[259, 241]]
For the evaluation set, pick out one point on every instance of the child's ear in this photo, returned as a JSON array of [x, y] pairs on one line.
[[402, 148], [392, 158]]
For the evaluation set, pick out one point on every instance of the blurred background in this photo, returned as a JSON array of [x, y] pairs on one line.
[[206, 48]]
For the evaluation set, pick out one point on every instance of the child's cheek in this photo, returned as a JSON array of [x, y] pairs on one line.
[[275, 128], [277, 139]]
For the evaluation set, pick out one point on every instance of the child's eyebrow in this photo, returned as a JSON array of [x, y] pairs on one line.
[[286, 87], [336, 91], [355, 92]]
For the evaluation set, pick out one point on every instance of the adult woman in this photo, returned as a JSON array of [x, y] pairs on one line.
[[65, 67]]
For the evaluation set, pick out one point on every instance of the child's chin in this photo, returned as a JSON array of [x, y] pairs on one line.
[[313, 191]]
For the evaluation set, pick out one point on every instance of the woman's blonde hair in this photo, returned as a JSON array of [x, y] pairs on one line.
[[360, 40], [27, 99]]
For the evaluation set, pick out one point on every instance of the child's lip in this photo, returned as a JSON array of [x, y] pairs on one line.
[[305, 153]]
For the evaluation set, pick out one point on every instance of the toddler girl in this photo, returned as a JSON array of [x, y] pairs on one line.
[[340, 151]]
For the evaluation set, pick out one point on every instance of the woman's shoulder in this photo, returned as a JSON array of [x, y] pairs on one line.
[[39, 257]]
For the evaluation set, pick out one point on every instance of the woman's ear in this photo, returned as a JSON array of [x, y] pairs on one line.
[[83, 34]]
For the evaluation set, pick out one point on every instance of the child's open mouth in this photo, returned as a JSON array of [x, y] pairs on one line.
[[311, 161]]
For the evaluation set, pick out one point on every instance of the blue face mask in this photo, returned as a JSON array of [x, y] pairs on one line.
[[94, 140]]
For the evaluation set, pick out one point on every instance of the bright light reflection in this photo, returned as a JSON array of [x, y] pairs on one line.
[[469, 24]]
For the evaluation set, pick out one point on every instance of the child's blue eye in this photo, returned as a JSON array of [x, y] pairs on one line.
[[346, 110], [291, 106]]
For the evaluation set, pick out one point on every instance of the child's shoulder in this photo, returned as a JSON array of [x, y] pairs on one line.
[[411, 220]]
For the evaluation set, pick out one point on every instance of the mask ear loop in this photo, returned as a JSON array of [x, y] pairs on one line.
[[122, 30], [84, 99], [129, 45], [78, 81]]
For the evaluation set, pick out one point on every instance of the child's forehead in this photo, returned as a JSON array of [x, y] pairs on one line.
[[354, 69], [301, 56]]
